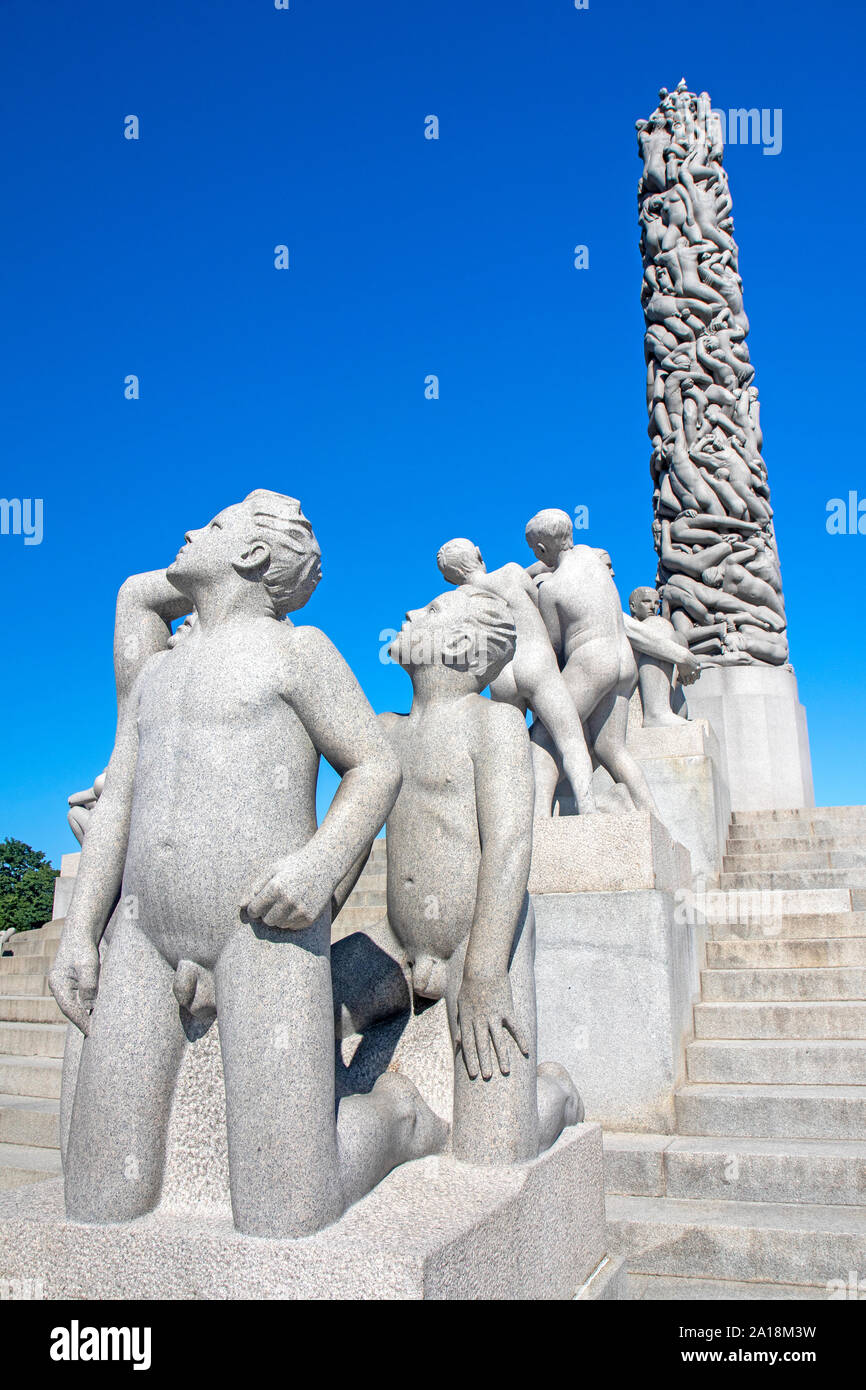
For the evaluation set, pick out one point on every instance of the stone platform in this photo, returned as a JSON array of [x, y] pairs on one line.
[[683, 765], [761, 727], [617, 962], [434, 1229]]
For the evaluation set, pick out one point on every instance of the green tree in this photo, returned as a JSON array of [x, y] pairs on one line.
[[26, 886]]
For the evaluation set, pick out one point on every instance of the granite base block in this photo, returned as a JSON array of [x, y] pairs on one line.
[[434, 1229]]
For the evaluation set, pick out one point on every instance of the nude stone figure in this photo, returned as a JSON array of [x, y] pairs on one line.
[[660, 652], [460, 923], [206, 825], [582, 612], [532, 679]]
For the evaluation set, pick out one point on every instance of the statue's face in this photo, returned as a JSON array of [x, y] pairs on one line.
[[433, 634], [644, 607], [209, 552]]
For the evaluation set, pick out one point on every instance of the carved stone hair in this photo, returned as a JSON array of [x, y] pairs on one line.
[[457, 556], [295, 564], [494, 636], [553, 527]]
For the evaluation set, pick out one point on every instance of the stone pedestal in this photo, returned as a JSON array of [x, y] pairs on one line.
[[64, 884], [434, 1229], [617, 965], [757, 717], [683, 765]]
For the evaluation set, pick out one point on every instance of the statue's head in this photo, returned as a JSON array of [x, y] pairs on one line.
[[713, 577], [549, 533], [643, 603], [266, 540], [604, 556], [459, 559], [466, 630]]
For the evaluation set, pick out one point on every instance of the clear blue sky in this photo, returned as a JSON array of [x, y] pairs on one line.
[[408, 257]]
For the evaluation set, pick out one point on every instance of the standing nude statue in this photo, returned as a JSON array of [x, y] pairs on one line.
[[532, 679], [207, 826], [660, 651], [583, 615], [460, 923]]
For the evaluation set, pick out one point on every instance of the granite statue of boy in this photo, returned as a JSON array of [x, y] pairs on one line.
[[206, 824], [460, 922]]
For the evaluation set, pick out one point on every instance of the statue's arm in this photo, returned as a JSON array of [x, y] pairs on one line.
[[547, 606], [504, 799], [146, 607], [342, 727], [74, 977], [656, 645]]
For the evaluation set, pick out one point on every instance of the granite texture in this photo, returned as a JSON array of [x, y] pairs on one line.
[[598, 854], [226, 914], [683, 765], [616, 977], [460, 925], [756, 714], [532, 679], [433, 1229], [718, 563], [582, 612]]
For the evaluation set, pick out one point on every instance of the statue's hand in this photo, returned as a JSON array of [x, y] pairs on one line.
[[485, 1009], [689, 668], [291, 895], [74, 977]]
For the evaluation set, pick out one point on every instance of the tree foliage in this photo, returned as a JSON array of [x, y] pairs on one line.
[[26, 886]]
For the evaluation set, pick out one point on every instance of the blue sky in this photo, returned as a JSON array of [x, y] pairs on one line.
[[408, 257]]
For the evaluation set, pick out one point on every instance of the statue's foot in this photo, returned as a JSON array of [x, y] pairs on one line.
[[572, 1105], [665, 721], [421, 1131]]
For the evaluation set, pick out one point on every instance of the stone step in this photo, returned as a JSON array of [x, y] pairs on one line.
[[765, 986], [785, 928], [772, 1112], [793, 878], [30, 1076], [824, 1019], [672, 1289], [23, 984], [787, 844], [32, 1039], [362, 897], [30, 1120], [761, 1242], [773, 1061], [803, 859], [33, 943], [730, 1168], [26, 1008], [20, 1164], [766, 905], [809, 952], [38, 963], [802, 815]]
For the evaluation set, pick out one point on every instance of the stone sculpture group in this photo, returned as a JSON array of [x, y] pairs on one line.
[[718, 567]]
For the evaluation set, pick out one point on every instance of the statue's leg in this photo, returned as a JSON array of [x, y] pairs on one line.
[[126, 1079], [608, 725], [546, 769], [376, 1132], [276, 1020], [555, 708]]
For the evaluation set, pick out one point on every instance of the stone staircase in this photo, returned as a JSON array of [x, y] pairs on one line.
[[33, 1030], [32, 1033], [761, 1193]]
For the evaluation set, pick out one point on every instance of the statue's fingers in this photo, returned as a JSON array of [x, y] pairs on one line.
[[280, 915], [482, 1042], [517, 1033], [88, 983], [257, 889], [65, 993], [470, 1052], [263, 900], [500, 1047]]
